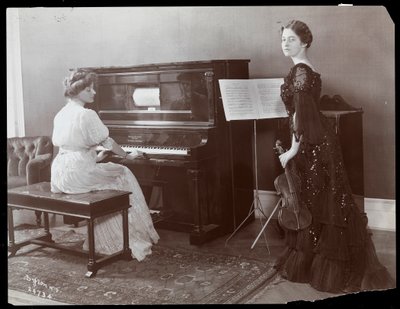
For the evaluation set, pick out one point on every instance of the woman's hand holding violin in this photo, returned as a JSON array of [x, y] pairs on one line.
[[286, 157]]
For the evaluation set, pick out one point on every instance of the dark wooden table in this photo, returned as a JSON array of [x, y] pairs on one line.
[[89, 206]]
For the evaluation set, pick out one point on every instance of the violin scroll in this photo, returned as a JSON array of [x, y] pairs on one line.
[[278, 147]]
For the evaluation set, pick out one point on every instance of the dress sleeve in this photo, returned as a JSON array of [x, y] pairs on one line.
[[308, 121], [93, 129]]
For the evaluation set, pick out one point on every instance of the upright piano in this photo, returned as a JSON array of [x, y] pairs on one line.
[[198, 174]]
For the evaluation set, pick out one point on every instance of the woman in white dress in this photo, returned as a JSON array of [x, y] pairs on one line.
[[77, 132]]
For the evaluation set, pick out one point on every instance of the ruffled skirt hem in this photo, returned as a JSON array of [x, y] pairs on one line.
[[332, 275]]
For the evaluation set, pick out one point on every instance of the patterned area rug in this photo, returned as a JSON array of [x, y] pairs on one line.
[[167, 276]]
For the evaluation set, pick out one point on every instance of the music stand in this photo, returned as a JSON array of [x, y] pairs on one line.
[[246, 99], [256, 205]]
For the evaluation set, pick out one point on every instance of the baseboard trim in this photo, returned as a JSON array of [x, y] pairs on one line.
[[381, 213]]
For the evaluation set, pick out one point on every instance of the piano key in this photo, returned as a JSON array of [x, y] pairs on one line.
[[156, 150]]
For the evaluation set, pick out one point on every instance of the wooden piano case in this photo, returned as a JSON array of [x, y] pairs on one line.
[[208, 191]]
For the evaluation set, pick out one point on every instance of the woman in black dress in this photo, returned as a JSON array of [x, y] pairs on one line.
[[335, 253]]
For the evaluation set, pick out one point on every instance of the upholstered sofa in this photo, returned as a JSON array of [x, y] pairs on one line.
[[29, 161]]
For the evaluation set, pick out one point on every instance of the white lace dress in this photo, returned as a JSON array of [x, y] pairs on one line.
[[77, 131]]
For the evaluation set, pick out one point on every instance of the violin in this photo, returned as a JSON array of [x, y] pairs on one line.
[[292, 215]]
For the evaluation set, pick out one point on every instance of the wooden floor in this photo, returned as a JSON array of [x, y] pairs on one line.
[[266, 249]]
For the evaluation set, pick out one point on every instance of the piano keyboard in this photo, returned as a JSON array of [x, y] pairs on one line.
[[156, 150]]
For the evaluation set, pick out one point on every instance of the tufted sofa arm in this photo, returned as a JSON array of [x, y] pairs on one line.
[[28, 162], [38, 169], [29, 159]]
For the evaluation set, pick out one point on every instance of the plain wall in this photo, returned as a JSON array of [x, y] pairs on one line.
[[353, 50]]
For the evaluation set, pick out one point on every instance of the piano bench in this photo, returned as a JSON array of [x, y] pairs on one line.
[[89, 206]]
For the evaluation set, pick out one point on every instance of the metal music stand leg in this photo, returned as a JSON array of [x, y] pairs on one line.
[[256, 200], [266, 223], [259, 207], [251, 210]]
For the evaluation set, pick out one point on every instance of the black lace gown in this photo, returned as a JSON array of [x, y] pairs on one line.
[[335, 253]]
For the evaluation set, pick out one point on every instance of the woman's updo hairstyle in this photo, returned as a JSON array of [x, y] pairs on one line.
[[301, 29], [77, 81]]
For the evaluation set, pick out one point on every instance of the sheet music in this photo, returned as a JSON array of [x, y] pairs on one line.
[[252, 98], [146, 97], [269, 93], [238, 100]]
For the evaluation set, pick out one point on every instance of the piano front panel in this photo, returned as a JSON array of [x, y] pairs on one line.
[[173, 181], [172, 95]]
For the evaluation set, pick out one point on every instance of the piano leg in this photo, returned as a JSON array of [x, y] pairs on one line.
[[194, 177], [201, 233]]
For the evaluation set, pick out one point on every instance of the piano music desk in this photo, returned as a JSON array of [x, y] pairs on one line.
[[89, 206]]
